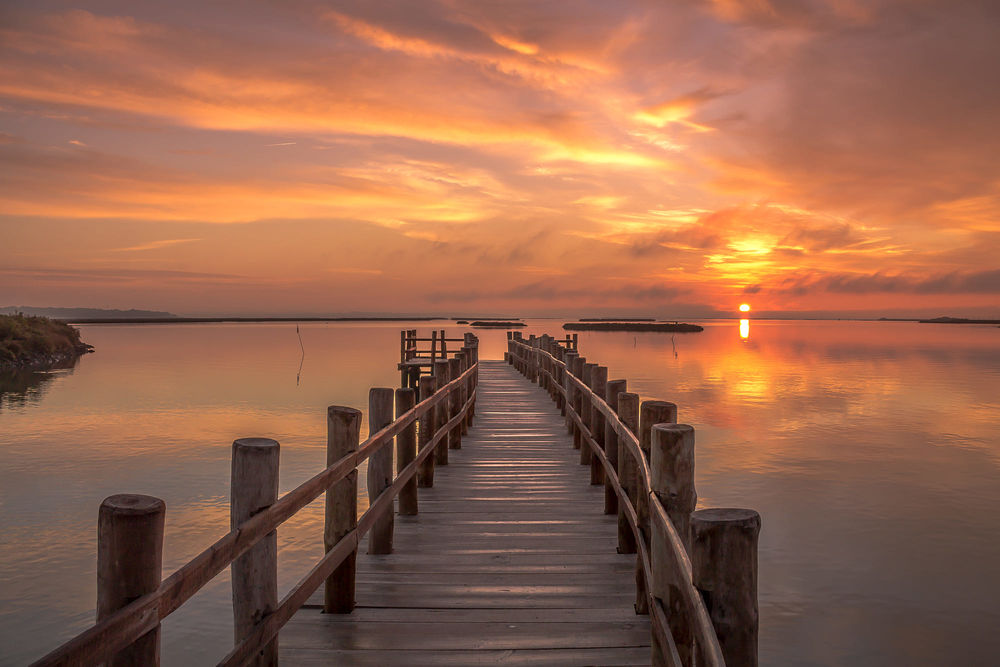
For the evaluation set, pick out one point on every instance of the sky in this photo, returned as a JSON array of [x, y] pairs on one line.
[[668, 159]]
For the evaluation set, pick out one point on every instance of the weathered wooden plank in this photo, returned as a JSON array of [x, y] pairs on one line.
[[316, 631], [511, 559], [445, 658], [423, 615]]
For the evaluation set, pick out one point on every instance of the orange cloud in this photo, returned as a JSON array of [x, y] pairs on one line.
[[501, 144]]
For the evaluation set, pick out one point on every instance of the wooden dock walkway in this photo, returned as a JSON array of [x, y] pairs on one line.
[[486, 543], [510, 561]]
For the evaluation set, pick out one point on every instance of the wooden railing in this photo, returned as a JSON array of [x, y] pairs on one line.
[[132, 601], [413, 358], [696, 571]]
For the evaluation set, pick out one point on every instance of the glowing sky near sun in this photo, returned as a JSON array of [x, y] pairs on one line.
[[522, 157]]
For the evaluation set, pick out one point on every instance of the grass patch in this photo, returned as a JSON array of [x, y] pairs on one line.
[[23, 337]]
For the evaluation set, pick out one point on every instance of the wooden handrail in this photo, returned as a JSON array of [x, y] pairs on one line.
[[428, 340], [117, 631], [269, 626], [708, 641]]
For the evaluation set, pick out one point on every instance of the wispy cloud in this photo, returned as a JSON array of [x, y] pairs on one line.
[[154, 245], [715, 147]]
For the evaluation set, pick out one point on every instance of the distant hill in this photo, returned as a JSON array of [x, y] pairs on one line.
[[86, 313]]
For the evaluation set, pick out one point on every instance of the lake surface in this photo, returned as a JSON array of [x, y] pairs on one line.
[[871, 450]]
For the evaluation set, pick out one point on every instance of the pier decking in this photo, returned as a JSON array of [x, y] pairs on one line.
[[511, 559], [496, 538]]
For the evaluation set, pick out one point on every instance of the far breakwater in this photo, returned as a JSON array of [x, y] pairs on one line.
[[669, 327]]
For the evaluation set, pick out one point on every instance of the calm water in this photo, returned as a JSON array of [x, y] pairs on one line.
[[870, 449]]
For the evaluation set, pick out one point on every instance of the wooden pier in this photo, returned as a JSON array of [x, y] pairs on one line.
[[511, 559], [553, 525]]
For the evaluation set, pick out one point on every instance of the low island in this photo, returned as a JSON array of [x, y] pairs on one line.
[[495, 324], [31, 341], [669, 327]]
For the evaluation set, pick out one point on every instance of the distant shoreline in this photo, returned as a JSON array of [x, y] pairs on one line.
[[758, 318], [208, 320]]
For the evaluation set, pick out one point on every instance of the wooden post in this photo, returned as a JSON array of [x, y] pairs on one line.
[[402, 358], [442, 372], [587, 412], [672, 472], [557, 373], [254, 487], [454, 372], [672, 469], [343, 431], [628, 412], [467, 391], [569, 360], [571, 363], [463, 396], [425, 474], [615, 387], [724, 564], [576, 340], [380, 468], [577, 399], [599, 385], [129, 560], [434, 345], [532, 369], [650, 413], [475, 375], [406, 451]]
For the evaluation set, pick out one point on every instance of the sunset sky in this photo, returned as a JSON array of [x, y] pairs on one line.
[[460, 157]]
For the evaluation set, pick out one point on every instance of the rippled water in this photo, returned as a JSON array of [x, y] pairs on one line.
[[871, 450]]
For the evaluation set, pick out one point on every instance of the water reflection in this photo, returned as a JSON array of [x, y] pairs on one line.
[[744, 329], [21, 387], [870, 449]]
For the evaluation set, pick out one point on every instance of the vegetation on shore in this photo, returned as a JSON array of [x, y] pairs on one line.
[[28, 340]]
